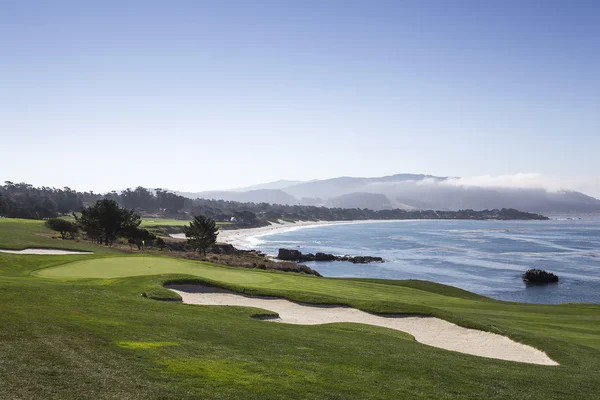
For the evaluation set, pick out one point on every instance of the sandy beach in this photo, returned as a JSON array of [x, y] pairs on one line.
[[241, 238]]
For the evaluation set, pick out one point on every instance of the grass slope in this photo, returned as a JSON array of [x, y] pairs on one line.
[[76, 327], [153, 222], [166, 226], [18, 234]]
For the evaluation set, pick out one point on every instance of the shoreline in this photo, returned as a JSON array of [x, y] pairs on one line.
[[241, 238]]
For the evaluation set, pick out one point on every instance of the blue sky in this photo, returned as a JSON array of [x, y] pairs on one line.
[[198, 95]]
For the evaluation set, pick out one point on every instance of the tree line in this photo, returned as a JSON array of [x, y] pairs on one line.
[[106, 221], [22, 200], [103, 223]]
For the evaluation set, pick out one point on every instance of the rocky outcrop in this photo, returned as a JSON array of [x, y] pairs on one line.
[[222, 248], [363, 259], [539, 276], [246, 259], [289, 255], [297, 256], [217, 248], [324, 257]]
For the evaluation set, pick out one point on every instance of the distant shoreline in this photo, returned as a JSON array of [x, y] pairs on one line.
[[240, 237]]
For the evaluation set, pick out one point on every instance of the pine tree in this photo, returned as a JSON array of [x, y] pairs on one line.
[[202, 233], [106, 220]]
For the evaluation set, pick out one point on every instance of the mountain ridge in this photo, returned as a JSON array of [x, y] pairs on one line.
[[407, 191]]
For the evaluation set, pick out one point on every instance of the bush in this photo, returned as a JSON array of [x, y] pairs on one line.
[[160, 243], [63, 226], [139, 237]]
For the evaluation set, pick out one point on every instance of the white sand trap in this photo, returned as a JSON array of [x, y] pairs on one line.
[[45, 252], [427, 330]]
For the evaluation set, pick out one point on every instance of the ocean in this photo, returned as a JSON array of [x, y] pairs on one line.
[[485, 257]]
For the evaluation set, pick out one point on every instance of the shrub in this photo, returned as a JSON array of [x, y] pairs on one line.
[[160, 243], [63, 226]]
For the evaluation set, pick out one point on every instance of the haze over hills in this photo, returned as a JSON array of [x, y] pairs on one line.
[[408, 191], [271, 185], [272, 196]]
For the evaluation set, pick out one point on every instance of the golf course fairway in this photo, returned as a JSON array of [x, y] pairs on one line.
[[118, 267], [75, 326]]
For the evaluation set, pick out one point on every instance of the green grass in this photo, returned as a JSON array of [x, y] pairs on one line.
[[166, 226], [162, 226], [118, 267], [146, 222], [143, 345], [18, 234], [164, 222], [77, 327], [369, 295]]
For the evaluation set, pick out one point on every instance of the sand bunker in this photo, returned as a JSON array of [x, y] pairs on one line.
[[427, 330], [52, 252]]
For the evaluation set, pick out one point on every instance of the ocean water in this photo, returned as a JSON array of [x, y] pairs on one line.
[[485, 257]]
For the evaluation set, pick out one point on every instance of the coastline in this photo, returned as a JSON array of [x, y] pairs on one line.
[[240, 238]]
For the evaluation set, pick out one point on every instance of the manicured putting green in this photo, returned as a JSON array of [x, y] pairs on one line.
[[316, 289], [118, 267]]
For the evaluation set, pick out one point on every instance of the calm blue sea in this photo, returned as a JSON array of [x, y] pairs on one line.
[[485, 257]]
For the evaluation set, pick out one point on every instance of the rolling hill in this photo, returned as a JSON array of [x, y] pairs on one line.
[[408, 191]]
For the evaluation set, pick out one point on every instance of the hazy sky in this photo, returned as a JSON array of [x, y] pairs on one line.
[[198, 95]]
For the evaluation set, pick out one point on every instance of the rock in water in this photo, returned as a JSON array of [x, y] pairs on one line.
[[539, 276], [364, 259], [289, 255], [325, 257], [295, 255]]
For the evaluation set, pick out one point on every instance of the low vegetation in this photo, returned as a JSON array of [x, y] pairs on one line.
[[63, 226], [251, 260]]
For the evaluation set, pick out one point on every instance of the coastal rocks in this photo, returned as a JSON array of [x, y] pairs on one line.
[[289, 255], [539, 276], [247, 259], [222, 248], [295, 255], [324, 257], [364, 259], [216, 248]]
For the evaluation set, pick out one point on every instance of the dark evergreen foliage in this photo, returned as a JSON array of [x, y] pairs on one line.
[[63, 226], [106, 220], [24, 201], [202, 233]]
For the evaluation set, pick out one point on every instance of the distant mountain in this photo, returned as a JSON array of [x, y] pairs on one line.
[[282, 184], [270, 196], [373, 201], [408, 191], [338, 186], [439, 193]]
